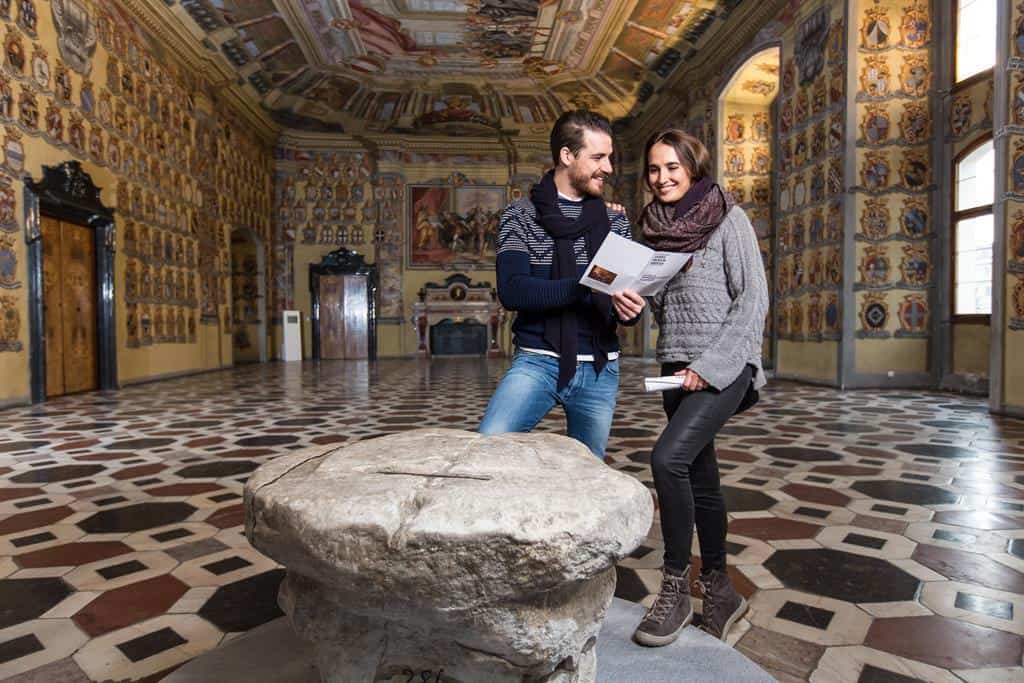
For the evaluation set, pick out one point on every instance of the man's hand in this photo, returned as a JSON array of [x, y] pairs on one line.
[[617, 208], [628, 304], [692, 381]]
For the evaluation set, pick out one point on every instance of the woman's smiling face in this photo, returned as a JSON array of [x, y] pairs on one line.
[[666, 176]]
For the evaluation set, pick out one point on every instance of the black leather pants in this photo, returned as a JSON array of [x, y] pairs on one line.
[[686, 470]]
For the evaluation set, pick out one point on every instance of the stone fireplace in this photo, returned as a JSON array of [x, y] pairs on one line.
[[458, 317]]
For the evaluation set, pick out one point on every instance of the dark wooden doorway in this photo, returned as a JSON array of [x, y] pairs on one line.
[[70, 236], [343, 317], [343, 289], [69, 307]]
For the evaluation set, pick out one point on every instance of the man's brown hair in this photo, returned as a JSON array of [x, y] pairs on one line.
[[569, 128]]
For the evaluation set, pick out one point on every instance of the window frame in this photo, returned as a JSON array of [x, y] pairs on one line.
[[974, 78], [956, 217]]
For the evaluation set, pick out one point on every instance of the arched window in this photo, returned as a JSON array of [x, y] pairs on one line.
[[973, 230], [975, 38]]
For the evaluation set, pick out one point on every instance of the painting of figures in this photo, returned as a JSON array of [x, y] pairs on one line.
[[454, 226]]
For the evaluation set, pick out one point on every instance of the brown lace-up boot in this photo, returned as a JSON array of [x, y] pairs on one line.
[[670, 613], [723, 606]]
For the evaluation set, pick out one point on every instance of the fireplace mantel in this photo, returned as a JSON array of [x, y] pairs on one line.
[[458, 299]]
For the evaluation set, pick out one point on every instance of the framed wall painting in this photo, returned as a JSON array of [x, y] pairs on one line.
[[453, 226]]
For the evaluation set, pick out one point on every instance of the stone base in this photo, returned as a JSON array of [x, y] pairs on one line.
[[273, 653], [548, 639]]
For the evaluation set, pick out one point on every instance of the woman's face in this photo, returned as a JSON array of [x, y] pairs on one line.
[[666, 176]]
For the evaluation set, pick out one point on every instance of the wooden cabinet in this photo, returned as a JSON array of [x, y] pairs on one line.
[[69, 307]]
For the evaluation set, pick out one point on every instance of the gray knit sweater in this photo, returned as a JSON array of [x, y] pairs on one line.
[[712, 314]]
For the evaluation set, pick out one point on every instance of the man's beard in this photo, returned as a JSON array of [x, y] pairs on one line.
[[581, 183]]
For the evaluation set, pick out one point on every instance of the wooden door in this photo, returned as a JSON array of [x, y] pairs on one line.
[[344, 327], [53, 315], [69, 307], [332, 317], [356, 324]]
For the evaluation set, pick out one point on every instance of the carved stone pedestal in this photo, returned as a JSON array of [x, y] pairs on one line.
[[443, 555]]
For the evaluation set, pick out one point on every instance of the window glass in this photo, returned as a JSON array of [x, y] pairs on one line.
[[975, 178], [975, 37], [973, 287]]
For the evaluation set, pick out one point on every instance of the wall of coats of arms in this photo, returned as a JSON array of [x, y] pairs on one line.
[[894, 186], [83, 81], [1013, 217], [747, 167], [809, 220]]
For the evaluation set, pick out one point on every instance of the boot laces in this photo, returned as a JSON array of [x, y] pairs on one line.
[[666, 600]]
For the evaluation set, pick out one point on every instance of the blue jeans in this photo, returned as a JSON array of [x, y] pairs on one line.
[[529, 390]]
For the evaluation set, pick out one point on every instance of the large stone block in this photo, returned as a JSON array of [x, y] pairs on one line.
[[488, 557]]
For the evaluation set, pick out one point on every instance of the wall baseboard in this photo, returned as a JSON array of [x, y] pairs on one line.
[[816, 381], [972, 385], [1010, 411], [172, 375], [16, 401]]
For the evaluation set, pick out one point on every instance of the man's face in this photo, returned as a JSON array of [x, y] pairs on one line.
[[589, 168]]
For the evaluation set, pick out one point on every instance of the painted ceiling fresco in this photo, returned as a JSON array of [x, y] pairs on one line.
[[452, 66]]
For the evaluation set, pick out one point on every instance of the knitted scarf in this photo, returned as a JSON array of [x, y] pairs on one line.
[[561, 326], [688, 224]]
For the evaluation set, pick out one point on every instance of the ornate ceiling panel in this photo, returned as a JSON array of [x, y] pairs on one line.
[[452, 66]]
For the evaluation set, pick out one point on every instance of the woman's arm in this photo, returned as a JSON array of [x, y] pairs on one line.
[[741, 333]]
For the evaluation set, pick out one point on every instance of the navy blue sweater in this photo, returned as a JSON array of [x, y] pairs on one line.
[[525, 252]]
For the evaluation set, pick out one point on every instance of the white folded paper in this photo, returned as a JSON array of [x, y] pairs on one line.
[[662, 383], [621, 264]]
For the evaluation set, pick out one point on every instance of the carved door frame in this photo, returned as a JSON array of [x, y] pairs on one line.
[[67, 193], [344, 262]]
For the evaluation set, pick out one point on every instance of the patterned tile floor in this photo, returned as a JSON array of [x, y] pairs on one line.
[[879, 535]]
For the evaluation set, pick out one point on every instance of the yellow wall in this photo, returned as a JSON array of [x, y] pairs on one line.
[[811, 361], [879, 356], [971, 348]]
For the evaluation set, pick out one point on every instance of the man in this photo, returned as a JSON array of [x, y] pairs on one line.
[[566, 347]]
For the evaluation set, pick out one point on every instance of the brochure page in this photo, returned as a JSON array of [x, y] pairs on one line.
[[622, 264]]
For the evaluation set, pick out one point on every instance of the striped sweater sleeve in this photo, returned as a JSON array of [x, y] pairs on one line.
[[518, 288], [740, 334]]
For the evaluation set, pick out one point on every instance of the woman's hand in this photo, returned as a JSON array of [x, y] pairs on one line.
[[692, 381], [628, 304]]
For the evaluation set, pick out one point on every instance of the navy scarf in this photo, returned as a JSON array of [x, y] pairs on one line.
[[561, 327]]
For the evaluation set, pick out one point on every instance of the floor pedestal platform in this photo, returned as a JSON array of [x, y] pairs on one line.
[[272, 653]]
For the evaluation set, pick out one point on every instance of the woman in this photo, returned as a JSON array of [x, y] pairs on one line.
[[711, 319]]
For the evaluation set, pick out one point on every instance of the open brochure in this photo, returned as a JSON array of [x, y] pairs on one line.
[[622, 264], [663, 383]]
